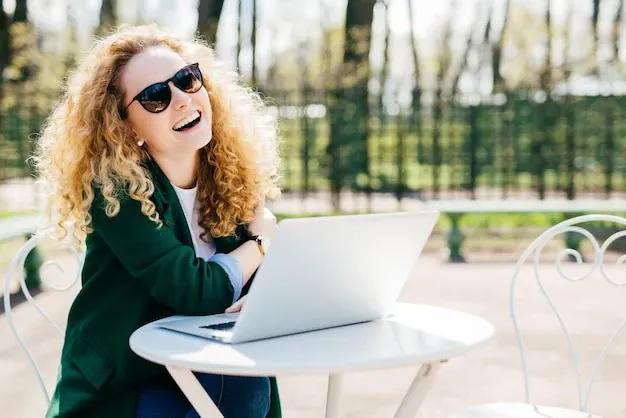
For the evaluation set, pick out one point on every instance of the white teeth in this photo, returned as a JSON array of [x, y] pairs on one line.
[[187, 120]]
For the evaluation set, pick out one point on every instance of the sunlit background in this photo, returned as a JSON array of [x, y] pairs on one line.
[[397, 99], [463, 105]]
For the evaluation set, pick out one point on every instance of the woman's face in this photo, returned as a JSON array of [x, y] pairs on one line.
[[185, 125]]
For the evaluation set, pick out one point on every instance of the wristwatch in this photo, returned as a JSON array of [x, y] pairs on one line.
[[262, 243]]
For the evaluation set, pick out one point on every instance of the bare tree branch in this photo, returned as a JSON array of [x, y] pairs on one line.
[[209, 12], [496, 52], [466, 50], [385, 67], [239, 32], [567, 60], [414, 45], [617, 30], [546, 72], [594, 24], [253, 41]]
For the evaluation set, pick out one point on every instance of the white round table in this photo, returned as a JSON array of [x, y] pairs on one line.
[[412, 334]]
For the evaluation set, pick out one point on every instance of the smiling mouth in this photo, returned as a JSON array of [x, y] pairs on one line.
[[188, 123]]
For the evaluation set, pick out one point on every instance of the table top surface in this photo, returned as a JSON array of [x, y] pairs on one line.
[[556, 205], [411, 334]]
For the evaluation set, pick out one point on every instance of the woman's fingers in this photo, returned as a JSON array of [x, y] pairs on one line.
[[236, 307]]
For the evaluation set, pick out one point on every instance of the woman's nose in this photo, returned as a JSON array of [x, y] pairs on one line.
[[180, 99]]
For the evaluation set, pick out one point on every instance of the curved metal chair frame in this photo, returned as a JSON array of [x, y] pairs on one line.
[[16, 268]]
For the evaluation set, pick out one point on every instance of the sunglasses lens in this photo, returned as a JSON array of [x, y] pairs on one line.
[[189, 79], [156, 98]]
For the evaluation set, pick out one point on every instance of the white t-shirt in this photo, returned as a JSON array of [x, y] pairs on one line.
[[188, 200], [206, 250]]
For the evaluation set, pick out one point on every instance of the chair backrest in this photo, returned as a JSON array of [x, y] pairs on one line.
[[534, 251], [16, 269]]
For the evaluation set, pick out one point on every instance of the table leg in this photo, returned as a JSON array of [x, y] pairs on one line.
[[417, 391], [195, 393], [333, 399]]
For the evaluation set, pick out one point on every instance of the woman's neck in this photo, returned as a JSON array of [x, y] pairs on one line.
[[181, 171]]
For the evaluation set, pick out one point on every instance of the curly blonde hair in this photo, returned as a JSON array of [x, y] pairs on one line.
[[85, 143]]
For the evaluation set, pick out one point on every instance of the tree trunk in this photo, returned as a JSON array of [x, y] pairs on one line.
[[416, 96], [609, 156], [496, 51], [414, 45], [617, 30], [594, 24], [21, 11], [253, 41], [540, 145], [570, 147], [546, 72], [239, 34], [472, 150], [498, 86], [5, 40], [209, 12], [350, 108], [444, 64], [570, 114], [108, 17], [328, 81], [5, 43], [436, 144], [308, 136], [384, 74]]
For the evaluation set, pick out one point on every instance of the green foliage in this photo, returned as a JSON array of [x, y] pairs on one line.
[[25, 56], [483, 221], [32, 84], [9, 214], [494, 148]]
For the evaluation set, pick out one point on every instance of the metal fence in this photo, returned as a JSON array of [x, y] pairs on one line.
[[22, 113], [515, 146], [497, 147]]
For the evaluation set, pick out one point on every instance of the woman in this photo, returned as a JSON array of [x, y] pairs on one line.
[[158, 163]]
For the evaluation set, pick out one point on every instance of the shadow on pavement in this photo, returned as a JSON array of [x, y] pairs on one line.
[[19, 298]]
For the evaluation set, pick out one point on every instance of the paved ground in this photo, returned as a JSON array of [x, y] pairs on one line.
[[491, 373]]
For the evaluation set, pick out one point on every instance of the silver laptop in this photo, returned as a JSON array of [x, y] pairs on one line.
[[321, 273]]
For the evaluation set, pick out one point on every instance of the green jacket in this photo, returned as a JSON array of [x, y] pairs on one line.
[[133, 274]]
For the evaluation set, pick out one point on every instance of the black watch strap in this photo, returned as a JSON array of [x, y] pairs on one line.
[[259, 242]]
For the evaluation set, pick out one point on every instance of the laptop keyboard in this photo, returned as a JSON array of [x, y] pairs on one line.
[[222, 326]]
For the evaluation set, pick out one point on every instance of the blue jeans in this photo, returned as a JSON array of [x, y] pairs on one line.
[[235, 396]]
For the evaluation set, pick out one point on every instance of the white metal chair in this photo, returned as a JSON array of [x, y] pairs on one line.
[[528, 409], [16, 269]]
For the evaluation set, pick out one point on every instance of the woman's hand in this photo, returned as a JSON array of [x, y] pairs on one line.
[[264, 222], [236, 307], [248, 254]]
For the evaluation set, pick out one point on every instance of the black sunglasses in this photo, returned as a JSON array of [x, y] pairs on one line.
[[157, 97]]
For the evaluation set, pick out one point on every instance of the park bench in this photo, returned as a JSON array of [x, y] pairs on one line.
[[456, 209]]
